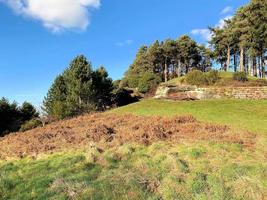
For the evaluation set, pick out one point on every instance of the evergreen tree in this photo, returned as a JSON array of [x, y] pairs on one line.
[[78, 78], [188, 49], [170, 52], [156, 58], [245, 34], [55, 103], [12, 117], [102, 88], [79, 89], [28, 111]]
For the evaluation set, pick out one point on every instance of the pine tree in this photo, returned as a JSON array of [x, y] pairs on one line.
[[170, 51], [156, 58], [79, 89], [78, 79], [28, 111], [188, 49], [102, 88], [55, 103]]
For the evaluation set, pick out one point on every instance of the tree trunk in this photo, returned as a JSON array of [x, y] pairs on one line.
[[228, 58], [241, 66], [250, 66], [235, 67], [178, 72], [262, 66], [166, 71], [259, 67], [254, 65], [80, 102]]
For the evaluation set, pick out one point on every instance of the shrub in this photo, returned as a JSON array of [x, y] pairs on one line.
[[183, 79], [31, 124], [116, 84], [131, 81], [212, 77], [240, 76], [122, 97], [196, 77], [148, 81]]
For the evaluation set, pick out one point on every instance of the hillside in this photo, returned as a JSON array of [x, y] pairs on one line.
[[241, 114], [148, 150]]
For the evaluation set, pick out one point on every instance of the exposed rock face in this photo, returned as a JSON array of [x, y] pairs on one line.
[[185, 92]]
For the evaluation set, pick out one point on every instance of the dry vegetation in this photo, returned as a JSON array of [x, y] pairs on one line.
[[111, 130]]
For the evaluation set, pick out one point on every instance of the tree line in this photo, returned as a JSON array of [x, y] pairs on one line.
[[165, 60], [78, 89], [14, 118], [241, 44]]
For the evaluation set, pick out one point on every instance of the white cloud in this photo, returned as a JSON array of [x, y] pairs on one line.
[[221, 22], [226, 10], [56, 15], [204, 33], [124, 43]]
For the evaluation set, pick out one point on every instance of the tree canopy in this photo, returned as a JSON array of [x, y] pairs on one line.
[[12, 116], [243, 40], [166, 60], [79, 89], [240, 45]]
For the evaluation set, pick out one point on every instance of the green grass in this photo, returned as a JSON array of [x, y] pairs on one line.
[[160, 171], [242, 114], [199, 170]]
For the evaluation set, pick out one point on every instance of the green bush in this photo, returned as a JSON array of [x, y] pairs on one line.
[[148, 81], [240, 76], [183, 79], [61, 110], [212, 77], [196, 77], [31, 124], [131, 81]]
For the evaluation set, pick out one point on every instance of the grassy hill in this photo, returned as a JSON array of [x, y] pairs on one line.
[[184, 159], [242, 114]]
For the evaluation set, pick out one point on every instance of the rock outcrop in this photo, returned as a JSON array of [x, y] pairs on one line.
[[185, 92]]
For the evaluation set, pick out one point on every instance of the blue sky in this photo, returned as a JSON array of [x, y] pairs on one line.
[[37, 42]]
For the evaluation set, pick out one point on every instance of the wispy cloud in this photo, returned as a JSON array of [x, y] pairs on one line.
[[124, 43], [56, 15], [227, 10], [205, 33], [221, 22]]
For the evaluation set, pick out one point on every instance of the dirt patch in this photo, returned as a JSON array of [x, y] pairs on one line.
[[110, 130]]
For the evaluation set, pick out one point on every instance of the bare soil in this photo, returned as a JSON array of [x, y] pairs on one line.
[[108, 130]]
